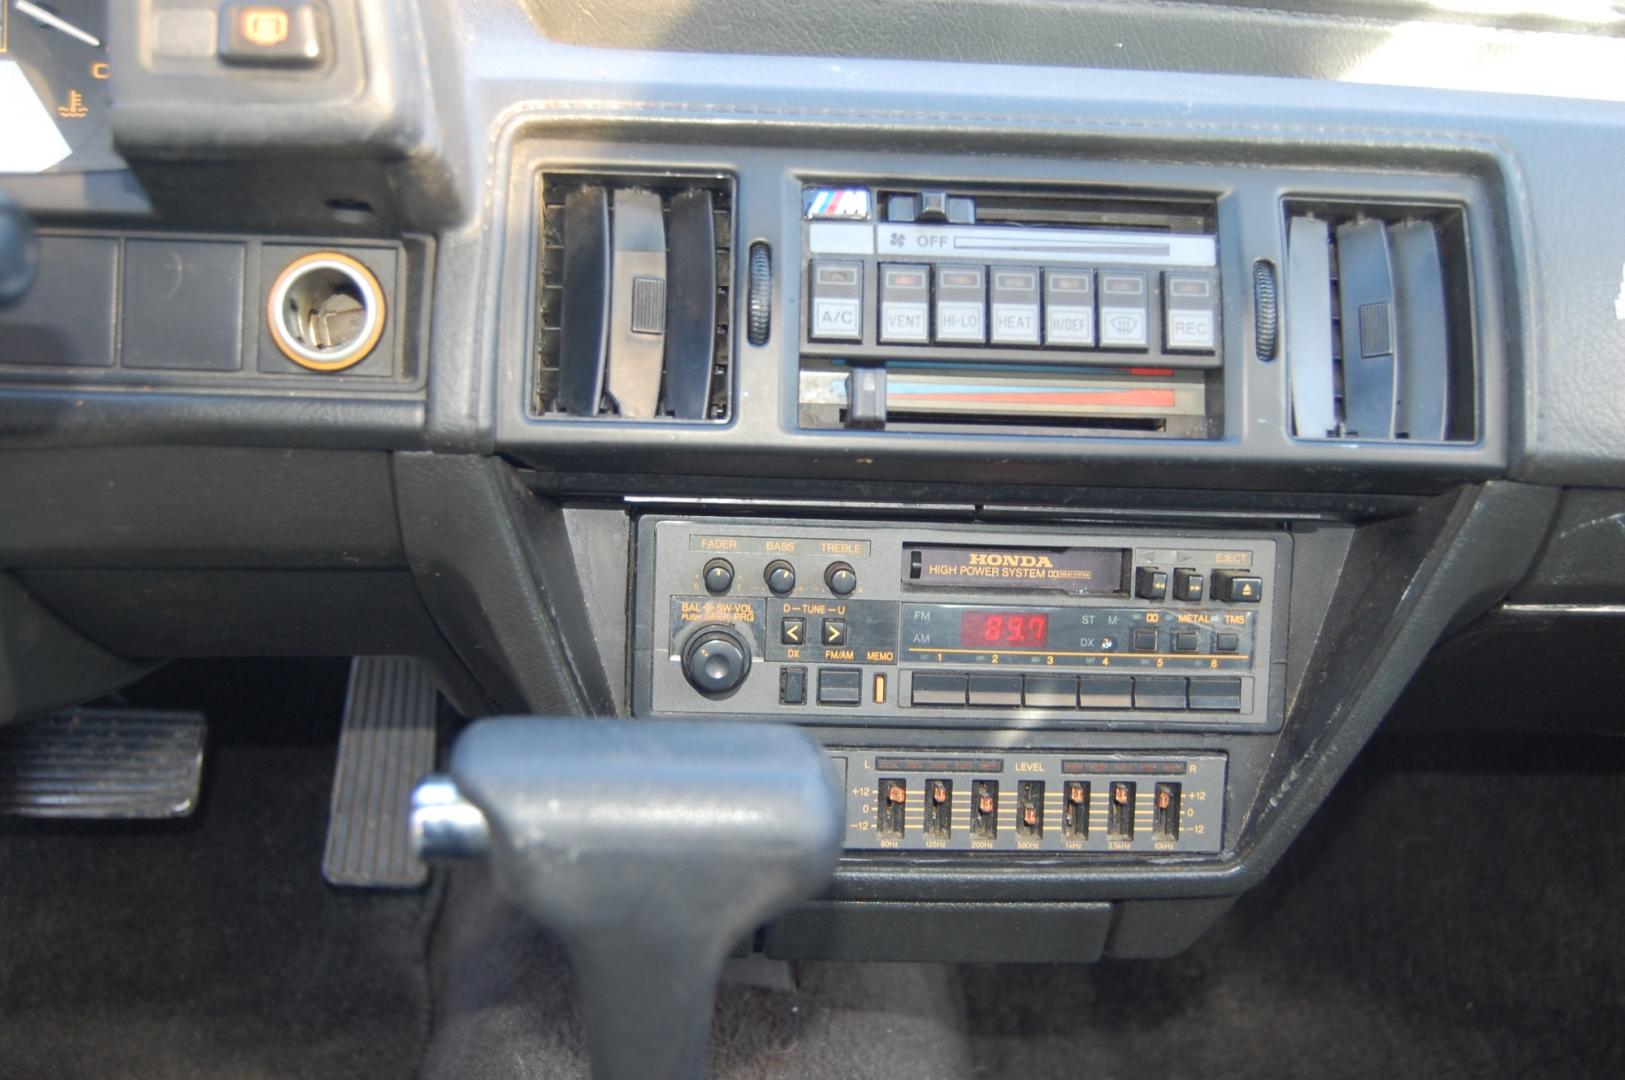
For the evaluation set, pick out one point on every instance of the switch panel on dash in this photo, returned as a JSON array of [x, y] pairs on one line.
[[1015, 278]]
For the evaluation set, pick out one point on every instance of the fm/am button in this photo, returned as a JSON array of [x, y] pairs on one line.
[[905, 304], [836, 290]]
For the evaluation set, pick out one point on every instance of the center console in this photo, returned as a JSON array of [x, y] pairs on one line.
[[893, 634]]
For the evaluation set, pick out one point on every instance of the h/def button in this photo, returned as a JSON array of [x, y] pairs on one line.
[[836, 290]]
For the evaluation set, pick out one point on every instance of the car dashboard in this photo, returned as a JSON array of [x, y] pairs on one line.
[[1086, 420]]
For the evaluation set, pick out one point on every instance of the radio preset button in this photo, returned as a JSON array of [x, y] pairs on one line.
[[1159, 692], [719, 576], [998, 691], [1216, 695], [1050, 692], [1015, 305], [937, 688], [1125, 304], [1105, 691], [793, 632], [1235, 588], [780, 577], [840, 686], [834, 633], [905, 303], [961, 304], [1187, 584], [1150, 583], [1190, 311], [1144, 639], [841, 578], [836, 290], [1069, 308]]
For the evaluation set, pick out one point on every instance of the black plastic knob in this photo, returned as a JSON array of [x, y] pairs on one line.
[[759, 304], [780, 577], [716, 661], [841, 578], [1266, 313], [719, 576]]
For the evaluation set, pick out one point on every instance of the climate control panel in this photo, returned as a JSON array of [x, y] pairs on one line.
[[925, 624]]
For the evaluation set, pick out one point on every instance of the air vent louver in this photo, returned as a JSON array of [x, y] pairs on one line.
[[633, 299], [1379, 328]]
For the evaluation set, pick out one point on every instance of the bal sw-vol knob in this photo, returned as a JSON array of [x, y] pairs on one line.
[[715, 661]]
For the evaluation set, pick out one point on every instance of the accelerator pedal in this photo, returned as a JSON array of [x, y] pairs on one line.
[[103, 764], [387, 745]]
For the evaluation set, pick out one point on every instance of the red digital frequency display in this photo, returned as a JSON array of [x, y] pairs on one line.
[[1011, 629]]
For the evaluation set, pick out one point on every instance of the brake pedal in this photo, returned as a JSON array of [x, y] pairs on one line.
[[103, 764], [386, 746]]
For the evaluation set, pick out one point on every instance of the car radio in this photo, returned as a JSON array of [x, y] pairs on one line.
[[937, 626]]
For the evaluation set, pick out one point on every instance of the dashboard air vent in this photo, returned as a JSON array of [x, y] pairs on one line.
[[1379, 324], [632, 302]]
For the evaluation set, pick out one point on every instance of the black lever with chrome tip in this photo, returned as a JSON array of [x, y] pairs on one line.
[[649, 848]]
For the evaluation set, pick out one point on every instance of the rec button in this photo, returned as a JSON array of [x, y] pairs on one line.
[[1191, 311], [272, 34]]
